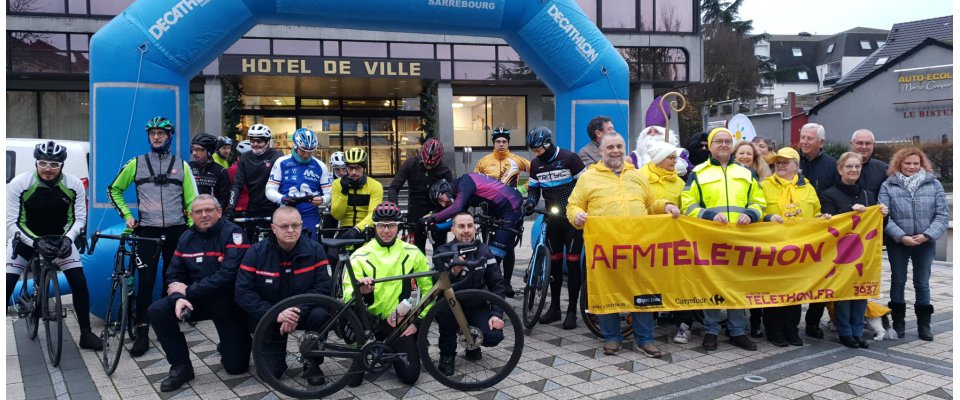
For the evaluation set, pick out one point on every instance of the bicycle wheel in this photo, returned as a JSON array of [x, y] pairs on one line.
[[496, 360], [115, 325], [337, 281], [289, 363], [52, 316], [593, 322], [537, 286], [28, 306]]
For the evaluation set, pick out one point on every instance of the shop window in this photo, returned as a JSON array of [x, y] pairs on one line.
[[364, 49], [296, 47], [474, 52], [22, 114], [249, 46], [474, 118], [411, 50], [65, 115], [618, 14]]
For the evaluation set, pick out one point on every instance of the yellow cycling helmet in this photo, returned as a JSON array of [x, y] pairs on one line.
[[355, 156]]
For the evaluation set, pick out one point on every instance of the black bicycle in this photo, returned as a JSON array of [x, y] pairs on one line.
[[345, 345], [39, 297], [120, 316]]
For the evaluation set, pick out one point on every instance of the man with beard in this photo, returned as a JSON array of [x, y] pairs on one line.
[[253, 172], [211, 178]]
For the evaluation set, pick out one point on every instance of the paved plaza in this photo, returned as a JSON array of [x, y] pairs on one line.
[[556, 364]]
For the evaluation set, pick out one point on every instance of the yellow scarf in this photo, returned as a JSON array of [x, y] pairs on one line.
[[660, 174], [789, 209]]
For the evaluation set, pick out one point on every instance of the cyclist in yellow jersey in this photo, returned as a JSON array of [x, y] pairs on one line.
[[501, 164]]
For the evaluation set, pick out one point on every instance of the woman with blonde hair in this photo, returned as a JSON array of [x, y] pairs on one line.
[[747, 154], [919, 215]]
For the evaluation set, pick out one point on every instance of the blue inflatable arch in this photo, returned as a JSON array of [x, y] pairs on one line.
[[141, 63]]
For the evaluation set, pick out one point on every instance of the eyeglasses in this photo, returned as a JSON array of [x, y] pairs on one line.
[[387, 225], [863, 143], [289, 227], [203, 211], [258, 141], [723, 142], [852, 166], [157, 133], [49, 164], [501, 141]]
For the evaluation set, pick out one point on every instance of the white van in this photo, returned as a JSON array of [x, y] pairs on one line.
[[20, 157]]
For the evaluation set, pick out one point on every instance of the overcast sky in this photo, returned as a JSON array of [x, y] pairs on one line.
[[827, 17]]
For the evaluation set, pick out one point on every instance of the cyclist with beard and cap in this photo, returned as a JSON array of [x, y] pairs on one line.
[[253, 172], [501, 164], [48, 201], [299, 175], [211, 177], [224, 149], [165, 190], [355, 195]]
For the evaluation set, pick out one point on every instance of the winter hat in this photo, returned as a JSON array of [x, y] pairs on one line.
[[658, 151]]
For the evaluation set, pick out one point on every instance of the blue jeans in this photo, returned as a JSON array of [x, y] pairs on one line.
[[737, 324], [643, 325], [922, 257], [849, 315]]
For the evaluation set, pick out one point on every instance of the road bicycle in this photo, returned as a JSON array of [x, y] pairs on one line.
[[537, 277], [344, 345], [39, 297], [121, 313]]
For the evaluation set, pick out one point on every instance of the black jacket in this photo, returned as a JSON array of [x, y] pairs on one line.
[[254, 171], [841, 197], [212, 179], [419, 178], [207, 261], [821, 171], [487, 276], [264, 280], [872, 175]]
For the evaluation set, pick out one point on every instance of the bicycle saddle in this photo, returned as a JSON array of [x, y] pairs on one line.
[[342, 242]]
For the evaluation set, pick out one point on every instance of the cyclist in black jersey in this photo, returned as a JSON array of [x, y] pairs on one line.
[[419, 173], [253, 171]]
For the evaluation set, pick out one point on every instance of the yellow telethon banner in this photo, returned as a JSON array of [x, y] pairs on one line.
[[660, 263]]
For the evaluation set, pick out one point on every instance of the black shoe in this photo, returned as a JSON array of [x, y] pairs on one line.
[[552, 315], [709, 341], [90, 341], [862, 342], [756, 330], [510, 293], [743, 342], [177, 377], [777, 338], [474, 355], [814, 331], [446, 365], [794, 339], [314, 375], [570, 322], [849, 341], [142, 344]]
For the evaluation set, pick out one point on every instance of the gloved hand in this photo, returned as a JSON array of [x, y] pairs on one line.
[[46, 248], [426, 221], [528, 207], [345, 184], [65, 249], [352, 233], [290, 201]]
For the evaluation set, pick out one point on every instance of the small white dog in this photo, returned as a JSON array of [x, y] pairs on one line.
[[877, 321]]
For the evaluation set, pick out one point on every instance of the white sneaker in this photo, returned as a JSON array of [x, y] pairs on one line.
[[683, 334]]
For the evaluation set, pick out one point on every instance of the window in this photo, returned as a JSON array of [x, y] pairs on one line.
[[830, 48], [474, 117], [589, 8], [11, 165], [880, 44], [65, 115], [881, 61], [797, 52], [802, 75], [865, 44], [22, 114], [674, 15], [364, 49], [618, 14], [474, 52], [548, 106], [249, 46], [656, 64], [411, 50], [296, 47]]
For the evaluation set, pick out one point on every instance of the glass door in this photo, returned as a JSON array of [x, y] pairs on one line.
[[328, 134], [383, 155]]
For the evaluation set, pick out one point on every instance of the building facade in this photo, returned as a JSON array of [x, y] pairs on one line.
[[354, 87]]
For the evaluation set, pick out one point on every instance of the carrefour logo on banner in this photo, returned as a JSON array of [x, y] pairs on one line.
[[586, 49], [170, 18]]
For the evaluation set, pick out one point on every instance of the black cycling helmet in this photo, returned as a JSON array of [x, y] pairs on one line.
[[50, 151], [438, 188], [500, 132], [224, 141], [208, 142], [387, 211], [539, 137]]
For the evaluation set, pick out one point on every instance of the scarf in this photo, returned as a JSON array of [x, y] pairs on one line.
[[789, 209], [660, 174], [501, 154], [912, 182]]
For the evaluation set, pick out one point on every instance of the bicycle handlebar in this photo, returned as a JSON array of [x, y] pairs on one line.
[[123, 238], [241, 220]]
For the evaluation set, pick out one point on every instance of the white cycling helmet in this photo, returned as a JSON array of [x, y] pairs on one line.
[[338, 160], [244, 146], [259, 131]]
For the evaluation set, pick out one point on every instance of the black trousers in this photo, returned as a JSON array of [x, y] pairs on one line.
[[147, 276], [439, 238], [815, 313], [781, 320], [274, 347], [230, 321], [478, 316]]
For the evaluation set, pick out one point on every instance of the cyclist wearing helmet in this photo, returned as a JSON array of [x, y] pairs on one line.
[[253, 171], [501, 164], [224, 148], [298, 175], [553, 173], [421, 172], [48, 201], [165, 190], [211, 177], [338, 164], [382, 258], [243, 147], [355, 195], [503, 202]]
